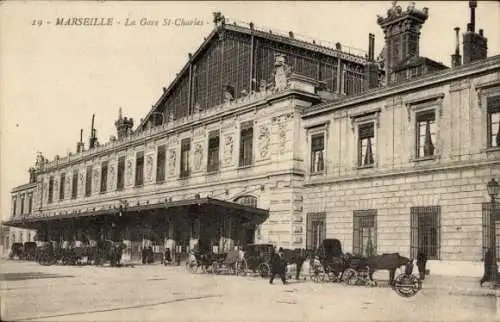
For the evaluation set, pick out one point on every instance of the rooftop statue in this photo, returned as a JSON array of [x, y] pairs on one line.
[[40, 160], [219, 18], [282, 73]]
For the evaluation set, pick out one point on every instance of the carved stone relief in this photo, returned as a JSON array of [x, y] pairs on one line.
[[67, 187], [198, 156], [228, 150], [129, 170], [264, 138], [81, 183], [97, 176], [172, 156], [111, 178], [282, 122], [149, 168], [173, 140], [56, 189], [200, 131]]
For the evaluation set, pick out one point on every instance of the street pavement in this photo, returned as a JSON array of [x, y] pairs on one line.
[[31, 292]]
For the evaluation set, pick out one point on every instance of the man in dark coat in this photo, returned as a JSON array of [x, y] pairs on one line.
[[278, 266], [488, 272], [421, 263]]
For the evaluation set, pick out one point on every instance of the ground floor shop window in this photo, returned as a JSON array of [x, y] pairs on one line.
[[487, 207], [316, 230], [425, 231], [365, 232]]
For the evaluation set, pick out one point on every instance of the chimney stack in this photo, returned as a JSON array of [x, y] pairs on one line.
[[80, 145], [456, 59], [92, 139], [123, 125], [475, 44], [371, 47], [371, 67]]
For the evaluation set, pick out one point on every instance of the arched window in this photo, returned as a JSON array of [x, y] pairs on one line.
[[249, 201]]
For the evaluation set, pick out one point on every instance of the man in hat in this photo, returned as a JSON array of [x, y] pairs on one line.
[[421, 264], [278, 266]]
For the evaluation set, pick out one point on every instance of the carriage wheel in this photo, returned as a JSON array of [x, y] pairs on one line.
[[407, 286], [318, 276], [241, 268], [264, 270], [215, 268], [350, 276], [192, 267], [332, 276]]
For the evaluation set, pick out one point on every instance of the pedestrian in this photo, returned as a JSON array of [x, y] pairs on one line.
[[278, 266], [488, 272], [421, 264]]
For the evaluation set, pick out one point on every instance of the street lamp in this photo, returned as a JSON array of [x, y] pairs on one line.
[[493, 189]]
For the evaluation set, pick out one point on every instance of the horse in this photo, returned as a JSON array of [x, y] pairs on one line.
[[297, 257], [390, 262], [110, 251]]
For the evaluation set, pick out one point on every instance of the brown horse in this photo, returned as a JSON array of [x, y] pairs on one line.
[[389, 262]]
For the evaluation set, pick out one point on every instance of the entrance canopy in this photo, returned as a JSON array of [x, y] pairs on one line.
[[252, 215]]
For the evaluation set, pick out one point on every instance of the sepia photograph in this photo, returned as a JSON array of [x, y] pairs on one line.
[[253, 161]]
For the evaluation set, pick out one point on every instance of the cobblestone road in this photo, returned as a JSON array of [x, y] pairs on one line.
[[156, 293]]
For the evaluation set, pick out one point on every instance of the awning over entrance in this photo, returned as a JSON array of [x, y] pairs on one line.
[[251, 215]]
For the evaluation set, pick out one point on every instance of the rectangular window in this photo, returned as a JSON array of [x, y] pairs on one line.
[[51, 189], [30, 203], [425, 231], [213, 151], [246, 144], [22, 204], [160, 163], [104, 176], [366, 144], [317, 153], [493, 106], [120, 176], [316, 230], [185, 148], [425, 134], [74, 184], [88, 181], [139, 169], [62, 186], [365, 232]]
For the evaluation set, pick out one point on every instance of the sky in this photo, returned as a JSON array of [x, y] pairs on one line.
[[53, 78]]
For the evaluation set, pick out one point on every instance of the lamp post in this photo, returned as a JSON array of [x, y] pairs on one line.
[[493, 188]]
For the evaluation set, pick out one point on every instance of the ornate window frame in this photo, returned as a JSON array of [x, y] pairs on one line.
[[362, 118], [484, 91], [433, 102], [312, 130]]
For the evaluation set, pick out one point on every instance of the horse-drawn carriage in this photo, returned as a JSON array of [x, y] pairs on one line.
[[233, 262], [16, 250], [354, 270], [50, 253], [258, 258]]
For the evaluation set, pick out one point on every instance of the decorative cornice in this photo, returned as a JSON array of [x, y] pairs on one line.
[[399, 172], [425, 101], [481, 87], [489, 64], [368, 115]]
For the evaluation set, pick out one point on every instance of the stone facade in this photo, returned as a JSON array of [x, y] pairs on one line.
[[392, 169], [454, 178]]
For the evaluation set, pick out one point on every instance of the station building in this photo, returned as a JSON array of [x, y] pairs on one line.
[[266, 138]]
